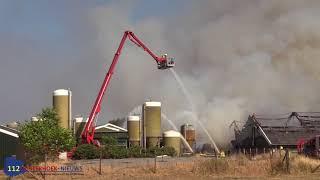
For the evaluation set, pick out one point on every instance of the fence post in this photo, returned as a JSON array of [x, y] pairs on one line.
[[45, 164], [287, 160], [100, 172], [155, 164]]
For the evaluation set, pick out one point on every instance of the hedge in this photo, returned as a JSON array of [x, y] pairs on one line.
[[110, 150], [86, 151]]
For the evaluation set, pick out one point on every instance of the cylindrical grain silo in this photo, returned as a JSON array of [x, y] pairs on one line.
[[151, 124], [79, 124], [62, 105], [188, 132], [133, 126], [172, 139]]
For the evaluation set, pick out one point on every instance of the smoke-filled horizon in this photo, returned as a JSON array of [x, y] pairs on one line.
[[235, 58]]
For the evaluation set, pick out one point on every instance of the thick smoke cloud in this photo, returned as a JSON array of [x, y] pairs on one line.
[[235, 57]]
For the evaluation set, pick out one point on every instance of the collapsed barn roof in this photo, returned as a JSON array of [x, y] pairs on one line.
[[283, 129], [294, 119], [289, 128]]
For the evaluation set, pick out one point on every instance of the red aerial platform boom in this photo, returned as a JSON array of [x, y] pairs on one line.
[[163, 62]]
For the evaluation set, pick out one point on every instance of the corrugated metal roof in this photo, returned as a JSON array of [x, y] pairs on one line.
[[287, 129], [9, 131], [277, 121], [10, 144], [294, 119], [290, 137]]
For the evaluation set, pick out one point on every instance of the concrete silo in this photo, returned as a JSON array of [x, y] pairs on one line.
[[133, 126], [172, 139], [151, 124], [62, 105]]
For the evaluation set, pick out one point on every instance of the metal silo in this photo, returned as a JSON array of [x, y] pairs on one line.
[[133, 126], [172, 139], [189, 133], [151, 124], [62, 105]]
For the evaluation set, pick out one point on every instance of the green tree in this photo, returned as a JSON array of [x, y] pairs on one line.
[[45, 136]]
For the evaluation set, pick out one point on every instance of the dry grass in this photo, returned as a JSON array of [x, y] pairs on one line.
[[303, 165], [260, 166], [236, 166], [179, 170]]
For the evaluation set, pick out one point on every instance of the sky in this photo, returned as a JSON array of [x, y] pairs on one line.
[[234, 57], [40, 36]]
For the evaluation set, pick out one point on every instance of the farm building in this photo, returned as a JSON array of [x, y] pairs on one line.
[[9, 144], [275, 131], [119, 133]]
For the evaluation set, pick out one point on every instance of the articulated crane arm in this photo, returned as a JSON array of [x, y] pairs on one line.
[[163, 62]]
